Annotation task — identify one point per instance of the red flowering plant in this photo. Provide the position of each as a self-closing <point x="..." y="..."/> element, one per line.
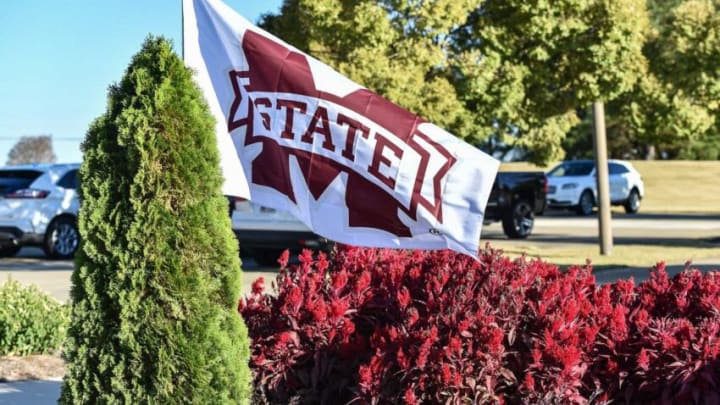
<point x="389" y="326"/>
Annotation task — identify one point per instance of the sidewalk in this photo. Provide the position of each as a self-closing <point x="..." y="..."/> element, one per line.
<point x="30" y="392"/>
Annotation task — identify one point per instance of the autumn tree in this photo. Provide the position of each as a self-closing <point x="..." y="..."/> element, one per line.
<point x="32" y="149"/>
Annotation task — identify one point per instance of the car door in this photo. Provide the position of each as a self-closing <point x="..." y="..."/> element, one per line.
<point x="619" y="182"/>
<point x="69" y="184"/>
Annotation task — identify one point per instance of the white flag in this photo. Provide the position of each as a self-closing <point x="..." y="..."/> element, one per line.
<point x="351" y="165"/>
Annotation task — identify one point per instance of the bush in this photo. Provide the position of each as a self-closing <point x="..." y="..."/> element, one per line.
<point x="157" y="276"/>
<point x="31" y="322"/>
<point x="383" y="326"/>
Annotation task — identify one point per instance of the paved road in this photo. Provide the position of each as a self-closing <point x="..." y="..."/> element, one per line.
<point x="553" y="229"/>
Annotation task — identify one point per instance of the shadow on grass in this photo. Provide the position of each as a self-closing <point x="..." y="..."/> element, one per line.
<point x="553" y="213"/>
<point x="698" y="243"/>
<point x="610" y="273"/>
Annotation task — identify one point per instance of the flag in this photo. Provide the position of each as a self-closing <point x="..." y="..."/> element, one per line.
<point x="351" y="165"/>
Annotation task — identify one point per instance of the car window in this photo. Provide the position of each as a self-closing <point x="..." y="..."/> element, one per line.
<point x="69" y="180"/>
<point x="572" y="169"/>
<point x="12" y="180"/>
<point x="617" y="169"/>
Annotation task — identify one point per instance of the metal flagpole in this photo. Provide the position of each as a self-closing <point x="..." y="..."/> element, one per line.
<point x="182" y="29"/>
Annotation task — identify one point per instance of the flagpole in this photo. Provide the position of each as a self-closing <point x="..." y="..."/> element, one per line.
<point x="182" y="30"/>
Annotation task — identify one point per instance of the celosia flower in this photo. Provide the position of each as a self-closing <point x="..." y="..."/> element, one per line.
<point x="319" y="310"/>
<point x="643" y="359"/>
<point x="362" y="282"/>
<point x="284" y="258"/>
<point x="446" y="373"/>
<point x="529" y="382"/>
<point x="403" y="296"/>
<point x="294" y="298"/>
<point x="258" y="286"/>
<point x="402" y="359"/>
<point x="409" y="397"/>
<point x="338" y="308"/>
<point x="339" y="280"/>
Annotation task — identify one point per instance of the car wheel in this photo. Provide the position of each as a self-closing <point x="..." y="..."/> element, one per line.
<point x="9" y="251"/>
<point x="632" y="205"/>
<point x="586" y="203"/>
<point x="266" y="256"/>
<point x="518" y="222"/>
<point x="61" y="239"/>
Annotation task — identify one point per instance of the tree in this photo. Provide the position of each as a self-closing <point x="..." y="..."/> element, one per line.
<point x="512" y="70"/>
<point x="398" y="49"/>
<point x="32" y="149"/>
<point x="673" y="108"/>
<point x="157" y="278"/>
<point x="525" y="67"/>
<point x="684" y="53"/>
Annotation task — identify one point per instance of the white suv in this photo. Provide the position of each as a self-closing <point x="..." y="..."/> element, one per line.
<point x="38" y="207"/>
<point x="572" y="184"/>
<point x="263" y="233"/>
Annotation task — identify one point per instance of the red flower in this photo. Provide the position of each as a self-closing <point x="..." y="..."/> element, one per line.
<point x="362" y="282"/>
<point x="495" y="341"/>
<point x="454" y="346"/>
<point x="319" y="311"/>
<point x="643" y="359"/>
<point x="529" y="382"/>
<point x="402" y="359"/>
<point x="403" y="296"/>
<point x="258" y="286"/>
<point x="348" y="328"/>
<point x="284" y="258"/>
<point x="338" y="308"/>
<point x="409" y="397"/>
<point x="294" y="298"/>
<point x="413" y="317"/>
<point x="339" y="280"/>
<point x="366" y="376"/>
<point x="284" y="337"/>
<point x="446" y="374"/>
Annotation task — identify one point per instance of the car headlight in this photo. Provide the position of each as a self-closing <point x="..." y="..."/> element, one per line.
<point x="569" y="186"/>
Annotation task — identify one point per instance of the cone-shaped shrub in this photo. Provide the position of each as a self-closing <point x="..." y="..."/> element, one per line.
<point x="157" y="277"/>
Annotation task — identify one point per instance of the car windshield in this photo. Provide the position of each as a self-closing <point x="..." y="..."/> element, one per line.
<point x="12" y="180"/>
<point x="572" y="169"/>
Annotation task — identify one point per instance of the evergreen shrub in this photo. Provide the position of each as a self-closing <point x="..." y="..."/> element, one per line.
<point x="31" y="321"/>
<point x="157" y="276"/>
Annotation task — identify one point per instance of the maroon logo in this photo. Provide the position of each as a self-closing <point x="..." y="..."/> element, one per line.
<point x="276" y="69"/>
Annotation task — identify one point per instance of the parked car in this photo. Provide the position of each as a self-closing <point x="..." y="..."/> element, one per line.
<point x="38" y="207"/>
<point x="515" y="199"/>
<point x="573" y="185"/>
<point x="263" y="233"/>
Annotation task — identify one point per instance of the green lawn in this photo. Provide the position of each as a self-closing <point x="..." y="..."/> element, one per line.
<point x="671" y="187"/>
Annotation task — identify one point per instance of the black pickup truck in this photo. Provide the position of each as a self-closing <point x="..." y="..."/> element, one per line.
<point x="515" y="199"/>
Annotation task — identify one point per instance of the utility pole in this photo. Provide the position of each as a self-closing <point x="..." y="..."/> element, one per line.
<point x="601" y="176"/>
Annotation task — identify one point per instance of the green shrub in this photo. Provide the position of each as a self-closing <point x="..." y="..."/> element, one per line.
<point x="157" y="277"/>
<point x="30" y="320"/>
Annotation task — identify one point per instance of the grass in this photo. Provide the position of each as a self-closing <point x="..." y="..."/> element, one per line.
<point x="671" y="187"/>
<point x="631" y="255"/>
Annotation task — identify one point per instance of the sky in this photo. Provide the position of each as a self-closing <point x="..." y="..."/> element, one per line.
<point x="58" y="57"/>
